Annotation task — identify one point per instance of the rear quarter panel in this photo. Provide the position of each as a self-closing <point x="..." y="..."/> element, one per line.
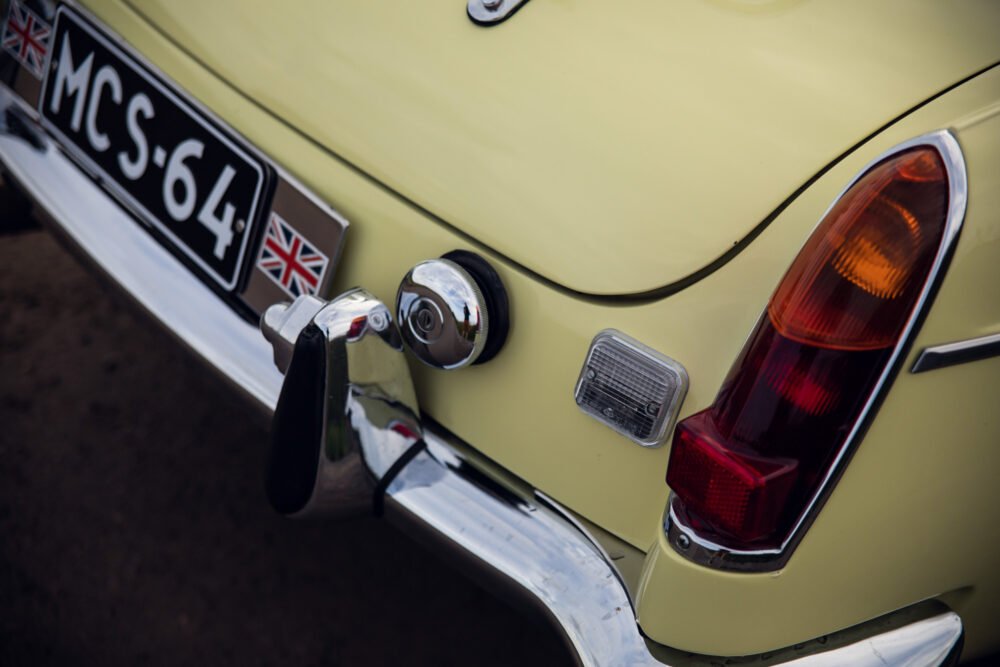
<point x="915" y="513"/>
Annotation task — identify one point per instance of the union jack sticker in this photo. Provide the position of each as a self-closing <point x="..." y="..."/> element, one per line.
<point x="26" y="37"/>
<point x="288" y="259"/>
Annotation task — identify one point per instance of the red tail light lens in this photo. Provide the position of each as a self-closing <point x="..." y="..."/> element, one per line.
<point x="746" y="469"/>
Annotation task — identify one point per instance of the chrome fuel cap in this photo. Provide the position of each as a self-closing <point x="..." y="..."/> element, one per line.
<point x="447" y="311"/>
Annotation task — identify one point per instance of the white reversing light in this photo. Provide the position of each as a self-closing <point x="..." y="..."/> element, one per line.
<point x="633" y="389"/>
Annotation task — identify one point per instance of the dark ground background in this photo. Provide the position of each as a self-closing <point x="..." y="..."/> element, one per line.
<point x="133" y="524"/>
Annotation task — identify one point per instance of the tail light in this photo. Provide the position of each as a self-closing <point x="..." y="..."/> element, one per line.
<point x="745" y="471"/>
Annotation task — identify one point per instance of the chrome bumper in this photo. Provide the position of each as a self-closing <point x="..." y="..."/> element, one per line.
<point x="526" y="543"/>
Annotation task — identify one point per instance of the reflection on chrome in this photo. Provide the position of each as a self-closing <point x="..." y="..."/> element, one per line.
<point x="347" y="410"/>
<point x="442" y="314"/>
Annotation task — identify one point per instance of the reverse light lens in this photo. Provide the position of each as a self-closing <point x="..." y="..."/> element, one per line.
<point x="633" y="389"/>
<point x="744" y="470"/>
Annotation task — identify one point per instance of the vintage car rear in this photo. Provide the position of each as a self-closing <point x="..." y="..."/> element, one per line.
<point x="774" y="223"/>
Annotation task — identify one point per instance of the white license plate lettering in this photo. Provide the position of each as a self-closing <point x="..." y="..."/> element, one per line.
<point x="139" y="107"/>
<point x="185" y="177"/>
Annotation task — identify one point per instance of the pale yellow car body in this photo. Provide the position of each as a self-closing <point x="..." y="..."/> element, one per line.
<point x="579" y="148"/>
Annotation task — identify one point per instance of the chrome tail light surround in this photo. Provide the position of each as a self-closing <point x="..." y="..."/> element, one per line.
<point x="701" y="548"/>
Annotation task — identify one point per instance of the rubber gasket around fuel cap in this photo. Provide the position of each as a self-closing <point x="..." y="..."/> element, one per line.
<point x="495" y="295"/>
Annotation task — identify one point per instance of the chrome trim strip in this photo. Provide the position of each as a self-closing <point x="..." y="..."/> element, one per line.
<point x="491" y="12"/>
<point x="527" y="545"/>
<point x="702" y="549"/>
<point x="961" y="352"/>
<point x="933" y="641"/>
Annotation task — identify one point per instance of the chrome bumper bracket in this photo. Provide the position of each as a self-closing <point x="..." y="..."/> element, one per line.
<point x="347" y="412"/>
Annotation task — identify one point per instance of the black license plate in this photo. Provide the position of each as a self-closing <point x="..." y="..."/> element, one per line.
<point x="176" y="169"/>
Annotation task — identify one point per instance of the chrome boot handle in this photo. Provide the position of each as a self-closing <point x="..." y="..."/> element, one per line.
<point x="347" y="411"/>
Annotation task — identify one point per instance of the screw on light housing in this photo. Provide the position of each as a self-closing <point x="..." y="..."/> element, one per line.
<point x="631" y="388"/>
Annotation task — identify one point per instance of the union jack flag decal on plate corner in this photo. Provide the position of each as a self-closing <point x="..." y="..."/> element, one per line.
<point x="26" y="37"/>
<point x="290" y="260"/>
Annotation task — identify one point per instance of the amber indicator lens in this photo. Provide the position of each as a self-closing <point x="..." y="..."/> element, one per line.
<point x="855" y="282"/>
<point x="744" y="470"/>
